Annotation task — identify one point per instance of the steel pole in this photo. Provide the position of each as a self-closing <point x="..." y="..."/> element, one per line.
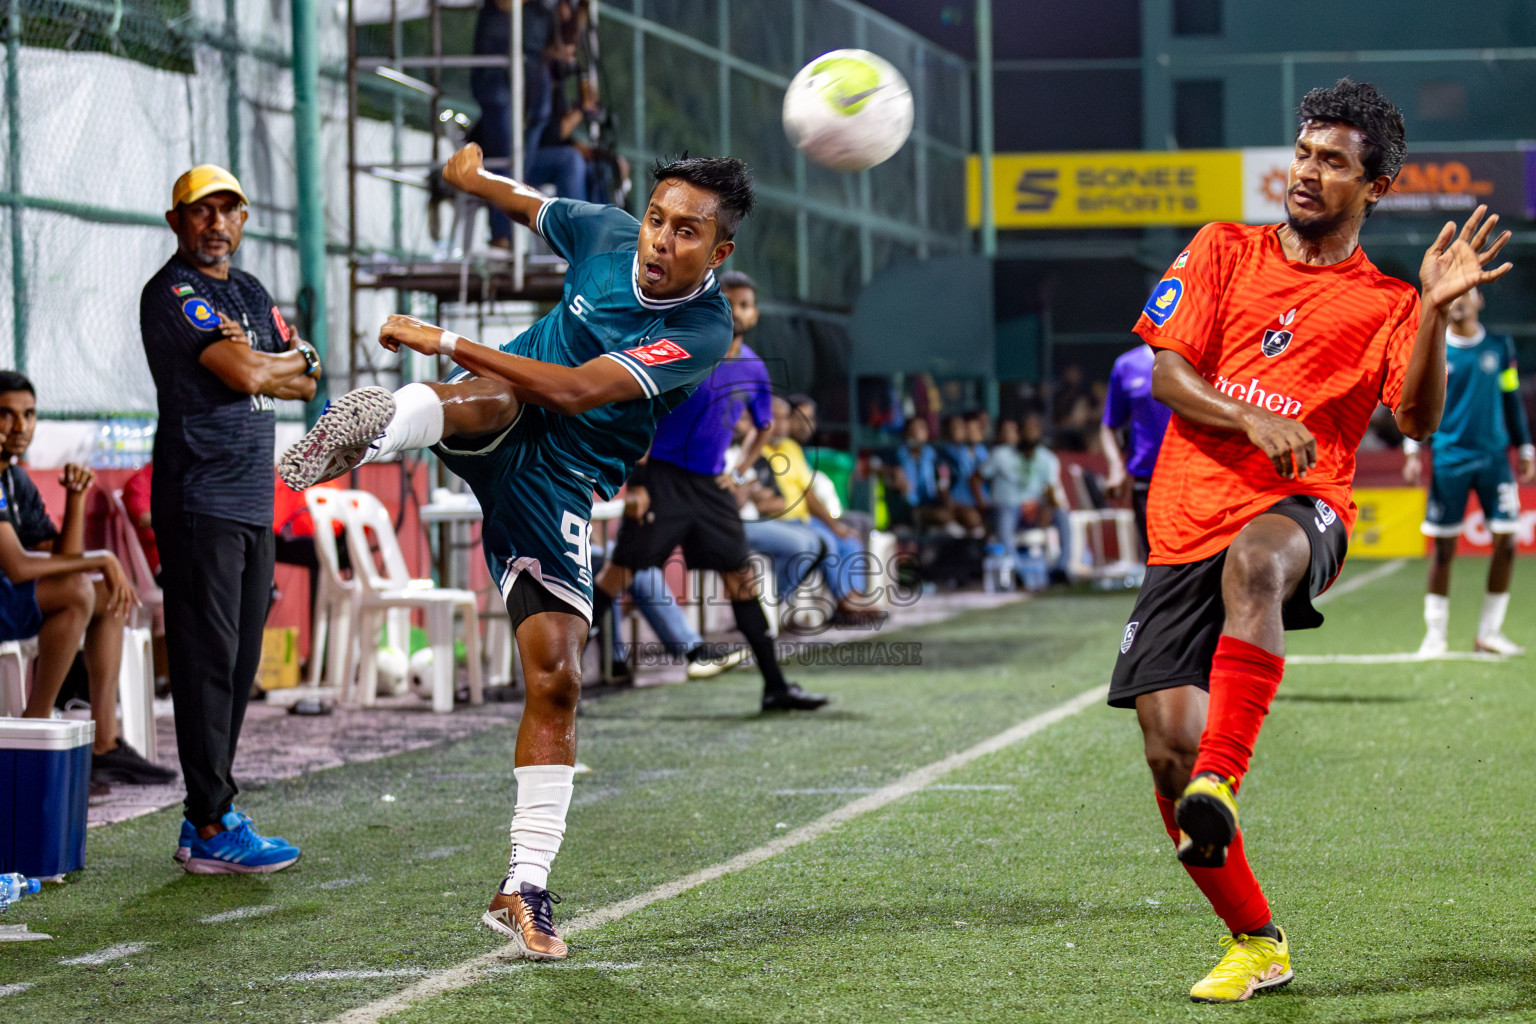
<point x="311" y="183"/>
<point x="984" y="125"/>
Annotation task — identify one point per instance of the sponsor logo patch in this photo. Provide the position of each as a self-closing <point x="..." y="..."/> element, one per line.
<point x="658" y="353"/>
<point x="200" y="313"/>
<point x="1178" y="264"/>
<point x="282" y="325"/>
<point x="1165" y="299"/>
<point x="1275" y="342"/>
<point x="1325" y="517"/>
<point x="1130" y="636"/>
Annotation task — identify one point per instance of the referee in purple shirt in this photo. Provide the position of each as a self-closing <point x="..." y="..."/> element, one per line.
<point x="680" y="497"/>
<point x="1130" y="405"/>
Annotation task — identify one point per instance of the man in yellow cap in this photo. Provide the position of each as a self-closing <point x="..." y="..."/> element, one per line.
<point x="220" y="353"/>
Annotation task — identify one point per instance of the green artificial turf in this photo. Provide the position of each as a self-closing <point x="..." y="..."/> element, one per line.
<point x="1386" y="815"/>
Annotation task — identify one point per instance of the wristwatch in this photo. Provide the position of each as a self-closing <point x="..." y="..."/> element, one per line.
<point x="311" y="358"/>
<point x="739" y="478"/>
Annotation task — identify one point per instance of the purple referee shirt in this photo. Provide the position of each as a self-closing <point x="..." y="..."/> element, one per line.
<point x="695" y="435"/>
<point x="1130" y="401"/>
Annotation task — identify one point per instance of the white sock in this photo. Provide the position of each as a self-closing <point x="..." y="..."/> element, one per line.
<point x="417" y="423"/>
<point x="1437" y="613"/>
<point x="1492" y="622"/>
<point x="538" y="822"/>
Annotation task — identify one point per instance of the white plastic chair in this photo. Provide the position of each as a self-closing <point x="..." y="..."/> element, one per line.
<point x="13" y="679"/>
<point x="333" y="619"/>
<point x="136" y="691"/>
<point x="380" y="592"/>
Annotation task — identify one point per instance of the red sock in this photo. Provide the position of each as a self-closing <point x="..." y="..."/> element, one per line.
<point x="1244" y="679"/>
<point x="1232" y="890"/>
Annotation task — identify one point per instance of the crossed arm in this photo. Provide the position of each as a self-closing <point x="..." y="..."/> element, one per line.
<point x="253" y="372"/>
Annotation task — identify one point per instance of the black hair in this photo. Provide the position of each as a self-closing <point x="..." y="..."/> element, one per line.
<point x="798" y="399"/>
<point x="725" y="176"/>
<point x="736" y="279"/>
<point x="1360" y="106"/>
<point x="10" y="380"/>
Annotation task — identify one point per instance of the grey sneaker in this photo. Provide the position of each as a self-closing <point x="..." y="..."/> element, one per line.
<point x="339" y="440"/>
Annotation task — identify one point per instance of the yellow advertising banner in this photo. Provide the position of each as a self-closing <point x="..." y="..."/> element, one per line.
<point x="1388" y="523"/>
<point x="1110" y="189"/>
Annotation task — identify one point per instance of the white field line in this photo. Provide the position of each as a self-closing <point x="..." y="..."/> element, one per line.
<point x="238" y="914"/>
<point x="102" y="956"/>
<point x="1401" y="658"/>
<point x="398" y="972"/>
<point x="14" y="990"/>
<point x="915" y="781"/>
<point x="1355" y="583"/>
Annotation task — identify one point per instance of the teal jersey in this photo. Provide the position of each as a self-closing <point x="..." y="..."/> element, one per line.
<point x="669" y="346"/>
<point x="1478" y="371"/>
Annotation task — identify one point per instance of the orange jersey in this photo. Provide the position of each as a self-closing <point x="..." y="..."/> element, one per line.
<point x="1321" y="344"/>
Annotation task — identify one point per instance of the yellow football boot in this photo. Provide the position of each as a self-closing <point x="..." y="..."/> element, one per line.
<point x="1251" y="964"/>
<point x="1207" y="817"/>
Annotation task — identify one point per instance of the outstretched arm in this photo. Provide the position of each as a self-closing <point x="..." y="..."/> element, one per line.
<point x="1452" y="266"/>
<point x="568" y="390"/>
<point x="465" y="170"/>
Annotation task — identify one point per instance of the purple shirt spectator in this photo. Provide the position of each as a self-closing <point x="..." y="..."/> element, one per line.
<point x="1130" y="401"/>
<point x="695" y="435"/>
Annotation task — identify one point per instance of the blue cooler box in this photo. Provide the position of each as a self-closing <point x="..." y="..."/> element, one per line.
<point x="45" y="778"/>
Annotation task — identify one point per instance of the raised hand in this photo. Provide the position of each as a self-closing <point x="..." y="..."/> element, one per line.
<point x="414" y="334"/>
<point x="464" y="169"/>
<point x="1456" y="262"/>
<point x="76" y="479"/>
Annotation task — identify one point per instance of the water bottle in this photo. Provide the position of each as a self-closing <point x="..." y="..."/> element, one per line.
<point x="13" y="887"/>
<point x="997" y="569"/>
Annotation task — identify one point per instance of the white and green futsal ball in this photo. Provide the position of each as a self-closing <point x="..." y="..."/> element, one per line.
<point x="848" y="110"/>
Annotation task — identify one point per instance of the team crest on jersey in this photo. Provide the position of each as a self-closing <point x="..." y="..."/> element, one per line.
<point x="200" y="313"/>
<point x="659" y="353"/>
<point x="1275" y="342"/>
<point x="1165" y="299"/>
<point x="1489" y="362"/>
<point x="1130" y="635"/>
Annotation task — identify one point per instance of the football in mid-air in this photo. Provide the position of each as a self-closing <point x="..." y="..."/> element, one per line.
<point x="848" y="110"/>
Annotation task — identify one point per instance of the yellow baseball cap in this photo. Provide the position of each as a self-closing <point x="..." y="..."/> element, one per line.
<point x="204" y="180"/>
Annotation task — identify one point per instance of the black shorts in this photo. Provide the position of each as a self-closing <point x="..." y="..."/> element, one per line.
<point x="1177" y="620"/>
<point x="529" y="597"/>
<point x="687" y="510"/>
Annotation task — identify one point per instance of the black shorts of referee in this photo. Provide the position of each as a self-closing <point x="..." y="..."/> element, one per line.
<point x="687" y="510"/>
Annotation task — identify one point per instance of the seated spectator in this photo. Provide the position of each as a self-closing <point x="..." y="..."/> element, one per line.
<point x="966" y="494"/>
<point x="914" y="479"/>
<point x="1043" y="497"/>
<point x="654" y="600"/>
<point x="49" y="591"/>
<point x="136" y="502"/>
<point x="797" y="503"/>
<point x="1003" y="469"/>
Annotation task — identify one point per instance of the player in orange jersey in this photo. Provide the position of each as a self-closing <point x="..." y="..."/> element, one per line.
<point x="1274" y="346"/>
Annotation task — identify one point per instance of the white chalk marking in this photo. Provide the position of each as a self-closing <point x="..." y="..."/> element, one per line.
<point x="1401" y="658"/>
<point x="568" y="965"/>
<point x="103" y="956"/>
<point x="398" y="972"/>
<point x="238" y="914"/>
<point x="1355" y="583"/>
<point x="342" y="883"/>
<point x="915" y="781"/>
<point x="16" y="989"/>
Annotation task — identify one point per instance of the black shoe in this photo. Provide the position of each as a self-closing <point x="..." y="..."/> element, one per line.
<point x="793" y="699"/>
<point x="124" y="764"/>
<point x="99" y="789"/>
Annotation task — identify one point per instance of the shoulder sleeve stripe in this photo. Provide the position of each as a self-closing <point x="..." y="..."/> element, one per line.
<point x="636" y="371"/>
<point x="538" y="218"/>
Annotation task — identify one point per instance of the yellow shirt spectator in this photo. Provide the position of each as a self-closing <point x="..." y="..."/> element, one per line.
<point x="793" y="474"/>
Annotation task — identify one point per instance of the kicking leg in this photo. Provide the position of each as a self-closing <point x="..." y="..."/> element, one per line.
<point x="1264" y="566"/>
<point x="370" y="423"/>
<point x="550" y="643"/>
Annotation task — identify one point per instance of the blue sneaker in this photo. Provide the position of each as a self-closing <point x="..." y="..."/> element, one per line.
<point x="238" y="850"/>
<point x="189" y="833"/>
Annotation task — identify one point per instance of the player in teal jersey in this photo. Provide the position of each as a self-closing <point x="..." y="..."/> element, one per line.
<point x="1483" y="418"/>
<point x="535" y="427"/>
